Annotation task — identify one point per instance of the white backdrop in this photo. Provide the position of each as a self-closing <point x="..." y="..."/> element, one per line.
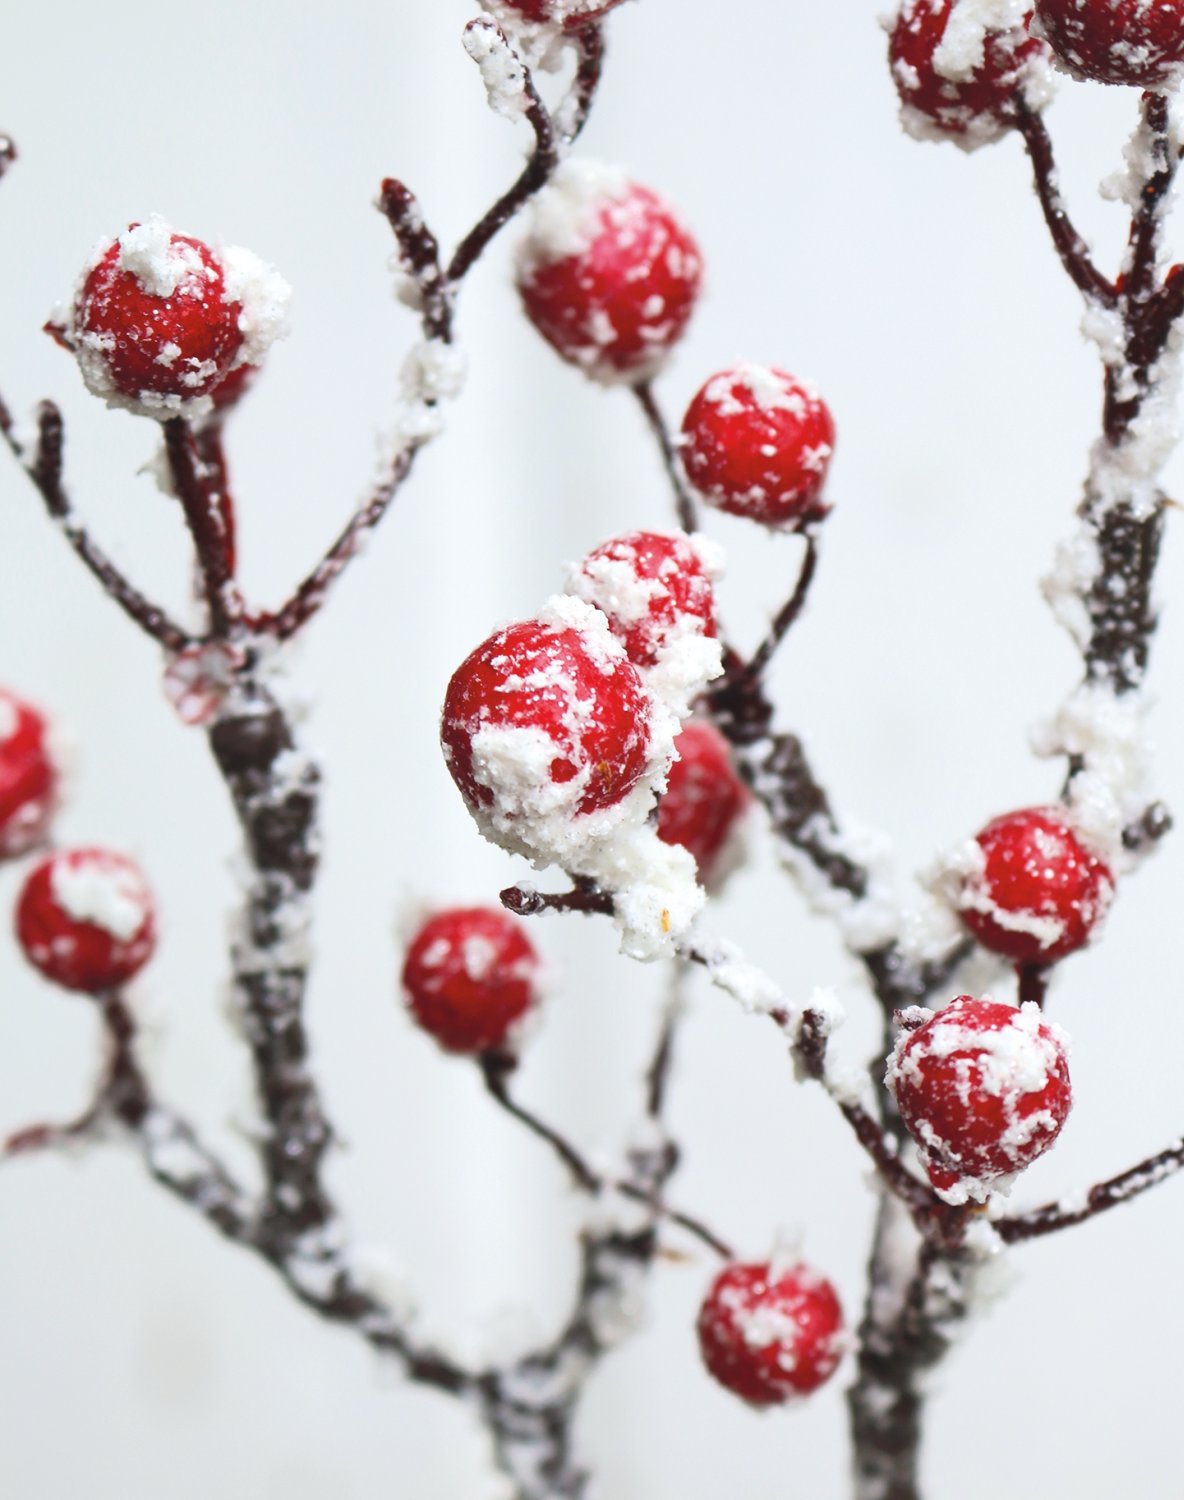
<point x="141" y="1357"/>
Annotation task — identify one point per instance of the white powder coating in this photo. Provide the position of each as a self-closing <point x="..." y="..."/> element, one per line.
<point x="962" y="49"/>
<point x="103" y="890"/>
<point x="160" y="264"/>
<point x="959" y="879"/>
<point x="766" y="388"/>
<point x="566" y="216"/>
<point x="263" y="295"/>
<point x="502" y="71"/>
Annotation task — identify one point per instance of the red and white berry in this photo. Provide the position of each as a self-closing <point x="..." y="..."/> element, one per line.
<point x="28" y="777"/>
<point x="704" y="798"/>
<point x="570" y="14"/>
<point x="86" y="919"/>
<point x="470" y="975"/>
<point x="607" y="274"/>
<point x="757" y="442"/>
<point x="1134" y="42"/>
<point x="771" y="1334"/>
<point x="983" y="1089"/>
<point x="161" y="321"/>
<point x="653" y="587"/>
<point x="960" y="67"/>
<point x="1030" y="889"/>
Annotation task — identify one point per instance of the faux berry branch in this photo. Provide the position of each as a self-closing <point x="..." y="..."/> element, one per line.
<point x="621" y="737"/>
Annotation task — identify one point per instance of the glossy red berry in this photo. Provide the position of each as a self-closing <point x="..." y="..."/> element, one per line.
<point x="959" y="79"/>
<point x="607" y="274"/>
<point x="983" y="1089"/>
<point x="1136" y="42"/>
<point x="85" y="918"/>
<point x="28" y="777"/>
<point x="770" y="1335"/>
<point x="704" y="797"/>
<point x="469" y="975"/>
<point x="757" y="442"/>
<point x="1035" y="893"/>
<point x="545" y="718"/>
<point x="654" y="587"/>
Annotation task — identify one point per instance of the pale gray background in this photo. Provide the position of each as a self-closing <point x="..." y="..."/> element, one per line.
<point x="140" y="1357"/>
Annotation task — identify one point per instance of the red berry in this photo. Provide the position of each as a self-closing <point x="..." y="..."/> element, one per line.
<point x="570" y="14"/>
<point x="545" y="718"/>
<point x="653" y="588"/>
<point x="704" y="797"/>
<point x="983" y="1089"/>
<point x="28" y="777"/>
<point x="958" y="79"/>
<point x="1138" y="42"/>
<point x="470" y="973"/>
<point x="1040" y="892"/>
<point x="153" y="318"/>
<point x="770" y="1335"/>
<point x="228" y="390"/>
<point x="607" y="274"/>
<point x="757" y="443"/>
<point x="85" y="918"/>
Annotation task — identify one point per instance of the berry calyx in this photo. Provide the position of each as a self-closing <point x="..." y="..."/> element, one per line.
<point x="1131" y="42"/>
<point x="1034" y="893"/>
<point x="704" y="797"/>
<point x="547" y="719"/>
<point x="770" y="1334"/>
<point x="469" y="975"/>
<point x="653" y="587"/>
<point x="161" y="322"/>
<point x="959" y="77"/>
<point x="85" y="918"/>
<point x="983" y="1089"/>
<point x="28" y="777"/>
<point x="607" y="274"/>
<point x="757" y="442"/>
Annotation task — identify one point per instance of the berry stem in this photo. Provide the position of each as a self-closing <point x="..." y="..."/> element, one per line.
<point x="207" y="514"/>
<point x="1051" y="1217"/>
<point x="496" y="1071"/>
<point x="789" y="611"/>
<point x="684" y="504"/>
<point x="588" y="41"/>
<point x="1032" y="980"/>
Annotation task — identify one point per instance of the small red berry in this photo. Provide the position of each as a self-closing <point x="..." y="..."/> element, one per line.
<point x="757" y="443"/>
<point x="570" y="14"/>
<point x="653" y="587"/>
<point x="1039" y="893"/>
<point x="85" y="918"/>
<point x="959" y="79"/>
<point x="161" y="321"/>
<point x="607" y="274"/>
<point x="704" y="797"/>
<point x="983" y="1089"/>
<point x="469" y="975"/>
<point x="770" y="1335"/>
<point x="546" y="718"/>
<point x="1136" y="42"/>
<point x="28" y="777"/>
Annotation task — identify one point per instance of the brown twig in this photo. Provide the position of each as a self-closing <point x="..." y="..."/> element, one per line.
<point x="789" y="611"/>
<point x="198" y="488"/>
<point x="1051" y="1217"/>
<point x="683" y="502"/>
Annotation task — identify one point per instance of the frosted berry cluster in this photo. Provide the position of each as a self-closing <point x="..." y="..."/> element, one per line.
<point x="1135" y="42"/>
<point x="28" y="777"/>
<point x="470" y="976"/>
<point x="959" y="67"/>
<point x="560" y="743"/>
<point x="1029" y="889"/>
<point x="606" y="273"/>
<point x="86" y="919"/>
<point x="769" y="1333"/>
<point x="757" y="442"/>
<point x="165" y="325"/>
<point x="983" y="1089"/>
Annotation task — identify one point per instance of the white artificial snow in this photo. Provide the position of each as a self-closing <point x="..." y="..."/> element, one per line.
<point x="566" y="216"/>
<point x="103" y="892"/>
<point x="962" y="49"/>
<point x="147" y="252"/>
<point x="263" y="295"/>
<point x="502" y="71"/>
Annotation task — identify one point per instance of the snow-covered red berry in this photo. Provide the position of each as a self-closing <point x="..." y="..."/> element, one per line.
<point x="757" y="442"/>
<point x="161" y="321"/>
<point x="470" y="974"/>
<point x="607" y="274"/>
<point x="1031" y="890"/>
<point x="85" y="918"/>
<point x="545" y="719"/>
<point x="770" y="1334"/>
<point x="28" y="777"/>
<point x="704" y="796"/>
<point x="1136" y="42"/>
<point x="982" y="1088"/>
<point x="960" y="68"/>
<point x="653" y="587"/>
<point x="570" y="14"/>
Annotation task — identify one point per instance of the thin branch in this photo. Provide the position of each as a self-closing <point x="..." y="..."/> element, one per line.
<point x="584" y="896"/>
<point x="789" y="611"/>
<point x="589" y="43"/>
<point x="496" y="1070"/>
<point x="683" y="501"/>
<point x="1051" y="1217"/>
<point x="1143" y="249"/>
<point x="197" y="489"/>
<point x="1032" y="981"/>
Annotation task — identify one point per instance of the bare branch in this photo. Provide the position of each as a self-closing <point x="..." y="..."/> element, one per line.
<point x="1051" y="1217"/>
<point x="684" y="504"/>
